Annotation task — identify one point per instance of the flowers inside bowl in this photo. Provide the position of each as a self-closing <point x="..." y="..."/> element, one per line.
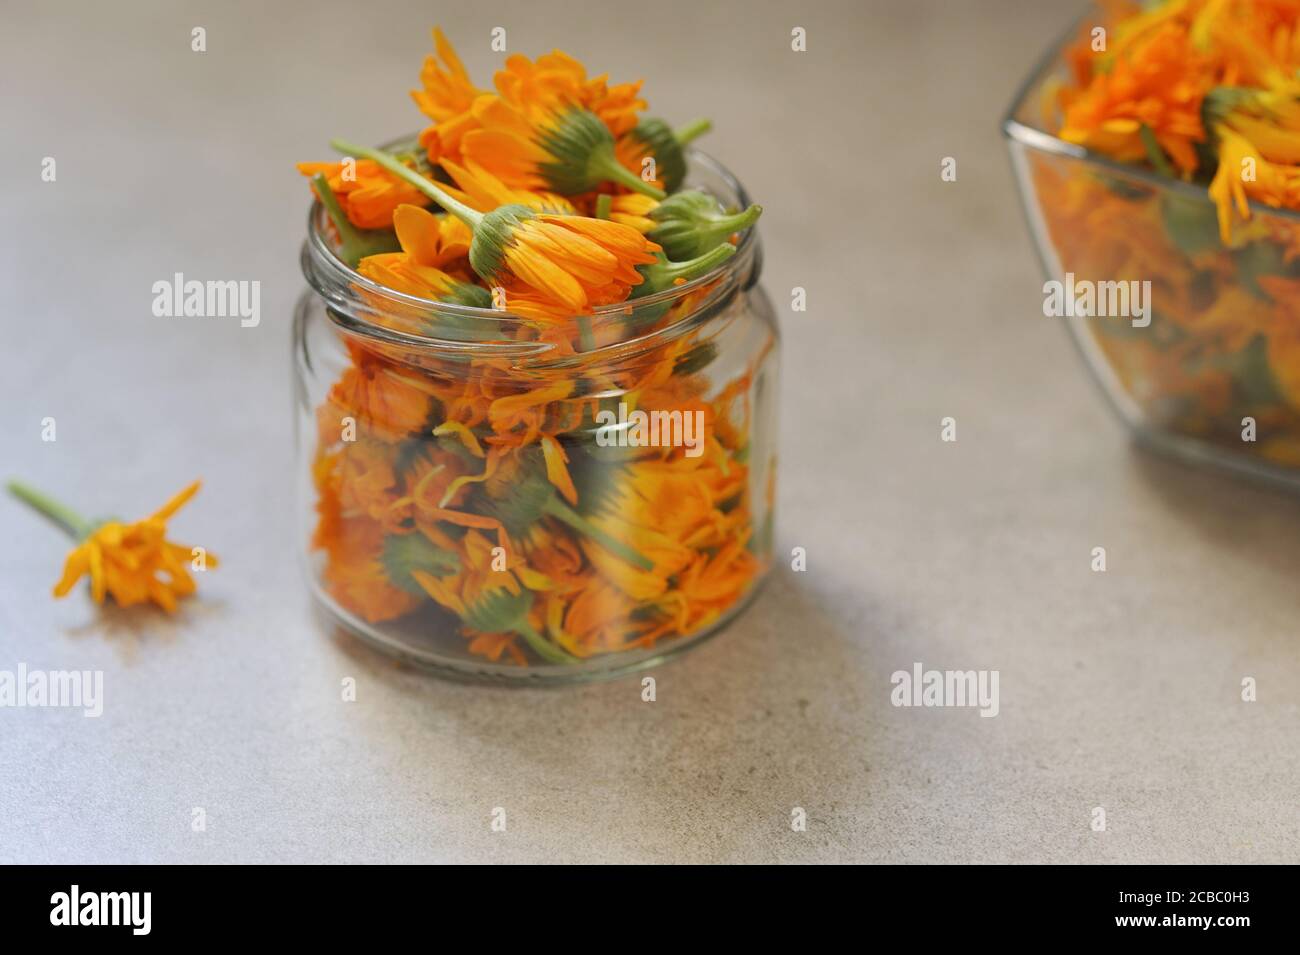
<point x="1157" y="150"/>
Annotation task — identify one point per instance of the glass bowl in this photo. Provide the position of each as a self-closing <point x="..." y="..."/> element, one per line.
<point x="1205" y="360"/>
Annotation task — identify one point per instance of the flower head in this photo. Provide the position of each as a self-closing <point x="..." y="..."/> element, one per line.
<point x="446" y="96"/>
<point x="133" y="563"/>
<point x="1157" y="84"/>
<point x="481" y="190"/>
<point x="575" y="261"/>
<point x="430" y="245"/>
<point x="557" y="79"/>
<point x="1275" y="184"/>
<point x="653" y="138"/>
<point x="367" y="193"/>
<point x="446" y="89"/>
<point x="567" y="149"/>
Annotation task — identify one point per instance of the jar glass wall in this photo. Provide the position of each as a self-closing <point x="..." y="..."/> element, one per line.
<point x="491" y="498"/>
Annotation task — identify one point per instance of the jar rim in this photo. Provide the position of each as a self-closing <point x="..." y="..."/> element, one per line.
<point x="344" y="288"/>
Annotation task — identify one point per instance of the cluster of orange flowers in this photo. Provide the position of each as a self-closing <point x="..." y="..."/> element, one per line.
<point x="1195" y="87"/>
<point x="474" y="486"/>
<point x="1206" y="91"/>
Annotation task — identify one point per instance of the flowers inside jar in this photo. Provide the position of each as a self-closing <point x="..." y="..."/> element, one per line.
<point x="550" y="430"/>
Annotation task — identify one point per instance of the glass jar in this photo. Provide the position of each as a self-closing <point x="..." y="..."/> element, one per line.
<point x="1212" y="371"/>
<point x="489" y="499"/>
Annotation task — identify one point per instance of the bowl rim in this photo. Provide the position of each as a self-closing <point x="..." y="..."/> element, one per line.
<point x="1035" y="138"/>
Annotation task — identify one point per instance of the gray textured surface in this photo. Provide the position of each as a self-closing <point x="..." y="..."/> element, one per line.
<point x="1118" y="690"/>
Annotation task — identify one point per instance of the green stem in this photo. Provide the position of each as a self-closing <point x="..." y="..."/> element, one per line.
<point x="76" y="526"/>
<point x="545" y="649"/>
<point x="604" y="204"/>
<point x="663" y="274"/>
<point x="610" y="168"/>
<point x="692" y="131"/>
<point x="471" y="217"/>
<point x="561" y="511"/>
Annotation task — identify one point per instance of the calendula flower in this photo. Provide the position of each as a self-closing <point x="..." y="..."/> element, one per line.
<point x="356" y="576"/>
<point x="1274" y="184"/>
<point x="654" y="139"/>
<point x="367" y="192"/>
<point x="489" y="599"/>
<point x="389" y="401"/>
<point x="516" y="134"/>
<point x="446" y="97"/>
<point x="132" y="563"/>
<point x="1156" y="86"/>
<point x="574" y="261"/>
<point x="446" y="89"/>
<point x="481" y="190"/>
<point x="354" y="244"/>
<point x="557" y="79"/>
<point x="630" y="208"/>
<point x="567" y="149"/>
<point x="1268" y="119"/>
<point x="428" y="244"/>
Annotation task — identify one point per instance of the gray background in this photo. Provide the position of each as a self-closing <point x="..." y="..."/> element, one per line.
<point x="1118" y="690"/>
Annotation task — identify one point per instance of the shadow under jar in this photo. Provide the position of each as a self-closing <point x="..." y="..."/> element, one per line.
<point x="492" y="499"/>
<point x="1215" y="375"/>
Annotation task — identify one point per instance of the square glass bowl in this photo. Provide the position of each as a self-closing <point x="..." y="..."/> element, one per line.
<point x="1214" y="376"/>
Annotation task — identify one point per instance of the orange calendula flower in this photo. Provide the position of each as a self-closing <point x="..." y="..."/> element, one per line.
<point x="634" y="210"/>
<point x="566" y="148"/>
<point x="481" y="190"/>
<point x="446" y="96"/>
<point x="429" y="244"/>
<point x="557" y="79"/>
<point x="446" y="89"/>
<point x="574" y="261"/>
<point x="133" y="563"/>
<point x="367" y="193"/>
<point x="388" y="401"/>
<point x="1271" y="183"/>
<point x="1156" y="85"/>
<point x="356" y="577"/>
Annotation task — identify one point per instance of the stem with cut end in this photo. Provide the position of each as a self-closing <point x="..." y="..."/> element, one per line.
<point x="692" y="131"/>
<point x="738" y="222"/>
